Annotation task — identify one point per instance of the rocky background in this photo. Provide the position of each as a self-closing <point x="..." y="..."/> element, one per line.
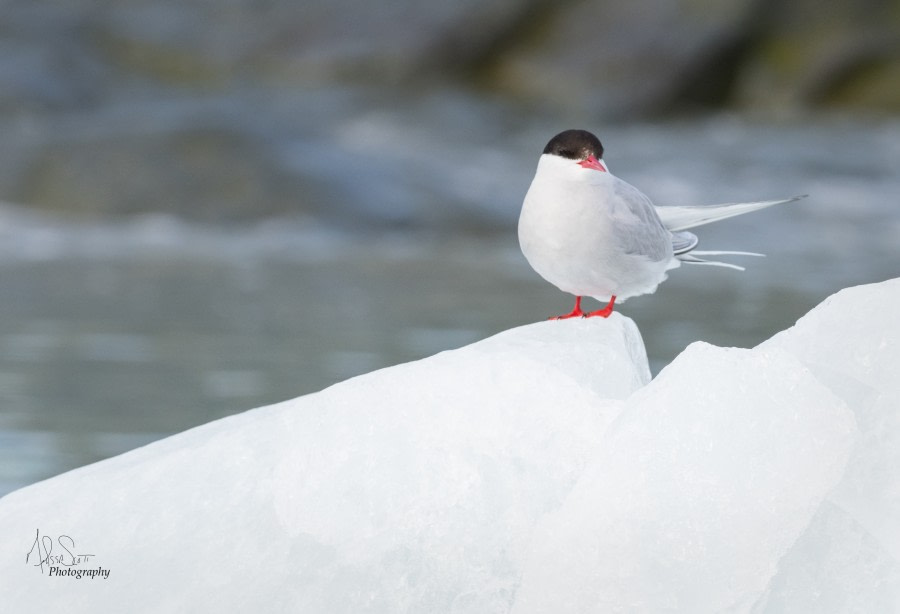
<point x="232" y="109"/>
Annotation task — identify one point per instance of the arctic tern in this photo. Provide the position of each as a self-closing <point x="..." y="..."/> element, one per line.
<point x="591" y="234"/>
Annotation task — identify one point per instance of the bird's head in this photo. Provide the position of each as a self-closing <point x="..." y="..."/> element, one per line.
<point x="580" y="147"/>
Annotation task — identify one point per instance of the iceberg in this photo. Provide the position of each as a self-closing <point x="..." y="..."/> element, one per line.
<point x="539" y="470"/>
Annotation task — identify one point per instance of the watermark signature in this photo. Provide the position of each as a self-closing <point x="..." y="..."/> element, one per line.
<point x="58" y="558"/>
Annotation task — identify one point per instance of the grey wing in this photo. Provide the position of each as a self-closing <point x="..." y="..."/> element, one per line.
<point x="640" y="231"/>
<point x="680" y="218"/>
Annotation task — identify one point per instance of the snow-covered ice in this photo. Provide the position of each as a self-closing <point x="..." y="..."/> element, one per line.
<point x="539" y="470"/>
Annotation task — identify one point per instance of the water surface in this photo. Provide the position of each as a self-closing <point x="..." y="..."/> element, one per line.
<point x="117" y="333"/>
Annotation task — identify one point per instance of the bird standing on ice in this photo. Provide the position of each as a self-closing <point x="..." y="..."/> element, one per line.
<point x="589" y="233"/>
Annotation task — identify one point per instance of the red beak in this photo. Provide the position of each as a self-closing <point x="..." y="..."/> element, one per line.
<point x="592" y="163"/>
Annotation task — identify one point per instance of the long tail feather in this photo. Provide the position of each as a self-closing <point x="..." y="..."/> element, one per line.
<point x="722" y="253"/>
<point x="688" y="259"/>
<point x="691" y="258"/>
<point x="681" y="218"/>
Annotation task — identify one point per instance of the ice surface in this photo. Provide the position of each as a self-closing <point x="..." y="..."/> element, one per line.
<point x="536" y="471"/>
<point x="414" y="488"/>
<point x="852" y="344"/>
<point x="705" y="480"/>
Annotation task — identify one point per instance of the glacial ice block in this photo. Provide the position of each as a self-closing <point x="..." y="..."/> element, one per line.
<point x="413" y="488"/>
<point x="536" y="471"/>
<point x="850" y="561"/>
<point x="703" y="482"/>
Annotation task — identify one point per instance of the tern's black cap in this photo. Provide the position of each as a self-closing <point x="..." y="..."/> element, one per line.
<point x="575" y="145"/>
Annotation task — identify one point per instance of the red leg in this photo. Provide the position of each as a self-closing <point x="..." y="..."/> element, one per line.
<point x="576" y="312"/>
<point x="603" y="313"/>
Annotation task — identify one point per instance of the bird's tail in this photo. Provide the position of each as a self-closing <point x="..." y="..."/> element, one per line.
<point x="692" y="258"/>
<point x="684" y="244"/>
<point x="681" y="218"/>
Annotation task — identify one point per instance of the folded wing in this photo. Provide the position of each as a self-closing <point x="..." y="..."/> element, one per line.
<point x="682" y="218"/>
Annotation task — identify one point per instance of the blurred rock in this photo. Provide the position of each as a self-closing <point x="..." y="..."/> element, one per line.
<point x="232" y="160"/>
<point x="637" y="57"/>
<point x="212" y="43"/>
<point x="201" y="173"/>
<point x="45" y="64"/>
<point x="654" y="57"/>
<point x="642" y="56"/>
<point x="840" y="54"/>
<point x="91" y="63"/>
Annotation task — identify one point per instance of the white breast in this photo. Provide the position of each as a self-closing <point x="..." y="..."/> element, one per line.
<point x="591" y="234"/>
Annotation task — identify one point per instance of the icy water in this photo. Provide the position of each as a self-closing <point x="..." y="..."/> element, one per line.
<point x="114" y="335"/>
